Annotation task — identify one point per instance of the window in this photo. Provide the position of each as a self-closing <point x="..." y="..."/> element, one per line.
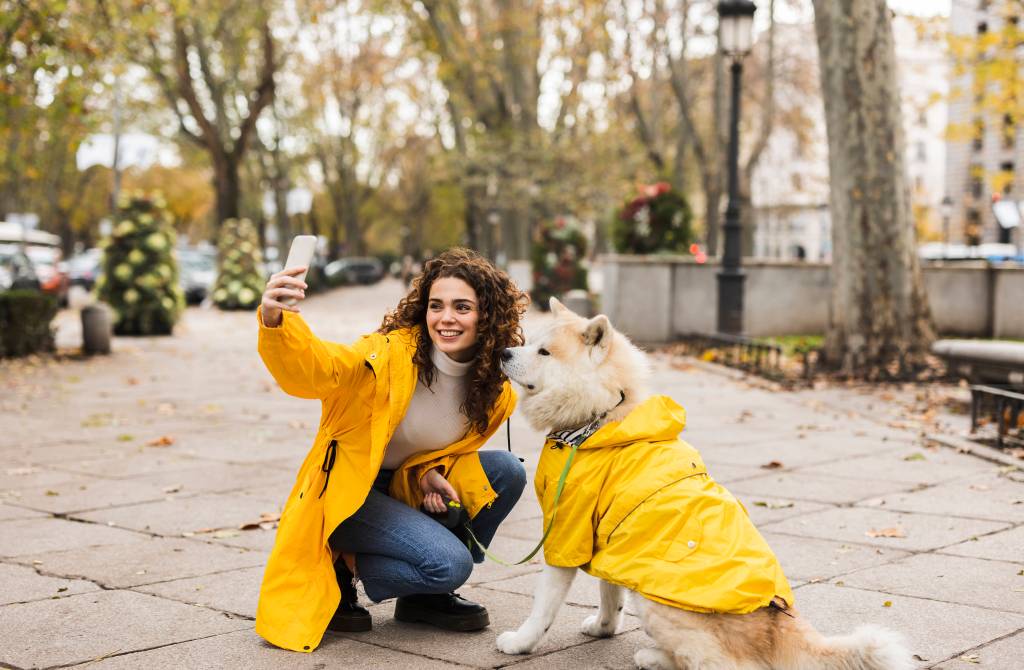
<point x="982" y="28"/>
<point x="1009" y="131"/>
<point x="972" y="232"/>
<point x="978" y="136"/>
<point x="1007" y="169"/>
<point x="977" y="185"/>
<point x="921" y="151"/>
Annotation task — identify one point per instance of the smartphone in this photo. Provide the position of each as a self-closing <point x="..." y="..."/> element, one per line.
<point x="301" y="253"/>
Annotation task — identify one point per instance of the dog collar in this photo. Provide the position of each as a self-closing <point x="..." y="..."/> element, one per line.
<point x="574" y="437"/>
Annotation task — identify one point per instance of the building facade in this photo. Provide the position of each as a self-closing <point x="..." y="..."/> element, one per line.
<point x="790" y="186"/>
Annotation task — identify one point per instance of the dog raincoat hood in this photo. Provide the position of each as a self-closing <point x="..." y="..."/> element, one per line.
<point x="640" y="510"/>
<point x="365" y="389"/>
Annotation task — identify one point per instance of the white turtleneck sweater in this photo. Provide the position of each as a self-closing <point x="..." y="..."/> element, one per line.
<point x="433" y="420"/>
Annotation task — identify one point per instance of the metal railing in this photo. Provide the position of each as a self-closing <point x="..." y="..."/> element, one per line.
<point x="1007" y="406"/>
<point x="737" y="351"/>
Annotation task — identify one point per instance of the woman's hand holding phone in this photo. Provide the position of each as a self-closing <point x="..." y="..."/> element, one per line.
<point x="283" y="286"/>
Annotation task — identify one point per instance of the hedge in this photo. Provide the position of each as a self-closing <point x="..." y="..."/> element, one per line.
<point x="25" y="318"/>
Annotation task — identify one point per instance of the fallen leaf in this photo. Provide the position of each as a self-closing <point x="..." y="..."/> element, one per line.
<point x="62" y="589"/>
<point x="972" y="658"/>
<point x="131" y="381"/>
<point x="297" y="425"/>
<point x="225" y="533"/>
<point x="125" y="437"/>
<point x="52" y="493"/>
<point x="894" y="531"/>
<point x="270" y="516"/>
<point x="887" y="603"/>
<point x="162" y="441"/>
<point x="914" y="457"/>
<point x="251" y="525"/>
<point x="165" y="409"/>
<point x="173" y="489"/>
<point x="771" y="505"/>
<point x="773" y="465"/>
<point x="212" y="408"/>
<point x="918" y="657"/>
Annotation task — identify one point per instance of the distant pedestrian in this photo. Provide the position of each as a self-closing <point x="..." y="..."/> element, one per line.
<point x="405" y="411"/>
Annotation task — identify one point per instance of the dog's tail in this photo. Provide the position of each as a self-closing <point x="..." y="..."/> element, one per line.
<point x="869" y="647"/>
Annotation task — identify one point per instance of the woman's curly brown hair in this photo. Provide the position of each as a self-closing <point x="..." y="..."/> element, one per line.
<point x="500" y="306"/>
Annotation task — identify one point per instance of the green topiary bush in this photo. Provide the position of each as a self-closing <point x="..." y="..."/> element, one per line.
<point x="25" y="318"/>
<point x="240" y="280"/>
<point x="556" y="257"/>
<point x="658" y="220"/>
<point x="140" y="274"/>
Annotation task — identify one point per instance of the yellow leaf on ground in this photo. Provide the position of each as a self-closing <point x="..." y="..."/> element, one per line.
<point x="162" y="441"/>
<point x="894" y="531"/>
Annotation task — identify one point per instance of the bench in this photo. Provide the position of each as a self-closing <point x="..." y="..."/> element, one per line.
<point x="996" y="373"/>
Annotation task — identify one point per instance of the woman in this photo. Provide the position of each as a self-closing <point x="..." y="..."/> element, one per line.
<point x="405" y="411"/>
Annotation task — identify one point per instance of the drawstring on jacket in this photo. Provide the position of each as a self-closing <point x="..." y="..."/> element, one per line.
<point x="328" y="464"/>
<point x="508" y="436"/>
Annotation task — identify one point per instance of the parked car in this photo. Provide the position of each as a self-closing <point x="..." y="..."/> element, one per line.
<point x="16" y="271"/>
<point x="51" y="270"/>
<point x="356" y="270"/>
<point x="197" y="273"/>
<point x="84" y="268"/>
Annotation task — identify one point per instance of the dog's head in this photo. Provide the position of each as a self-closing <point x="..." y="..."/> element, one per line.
<point x="576" y="369"/>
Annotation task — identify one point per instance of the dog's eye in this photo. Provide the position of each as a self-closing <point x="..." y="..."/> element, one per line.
<point x="543" y="352"/>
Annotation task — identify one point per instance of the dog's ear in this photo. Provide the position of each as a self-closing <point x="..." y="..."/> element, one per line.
<point x="557" y="308"/>
<point x="598" y="334"/>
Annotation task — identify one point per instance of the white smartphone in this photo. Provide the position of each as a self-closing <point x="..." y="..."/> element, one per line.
<point x="301" y="253"/>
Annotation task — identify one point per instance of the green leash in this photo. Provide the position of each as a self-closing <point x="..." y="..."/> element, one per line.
<point x="547" y="531"/>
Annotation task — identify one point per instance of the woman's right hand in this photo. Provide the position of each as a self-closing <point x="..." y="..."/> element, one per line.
<point x="282" y="285"/>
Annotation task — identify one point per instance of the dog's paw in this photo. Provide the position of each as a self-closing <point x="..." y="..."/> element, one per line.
<point x="512" y="642"/>
<point x="593" y="627"/>
<point x="652" y="658"/>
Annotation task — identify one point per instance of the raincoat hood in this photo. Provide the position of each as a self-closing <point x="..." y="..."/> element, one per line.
<point x="657" y="419"/>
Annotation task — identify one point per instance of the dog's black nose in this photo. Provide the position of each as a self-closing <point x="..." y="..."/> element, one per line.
<point x="506" y="354"/>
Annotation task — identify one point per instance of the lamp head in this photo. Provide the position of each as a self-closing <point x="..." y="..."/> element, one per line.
<point x="736" y="26"/>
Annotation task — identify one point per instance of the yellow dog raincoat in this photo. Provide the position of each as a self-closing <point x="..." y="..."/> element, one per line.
<point x="640" y="510"/>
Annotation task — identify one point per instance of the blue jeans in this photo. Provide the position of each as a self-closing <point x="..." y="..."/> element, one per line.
<point x="401" y="551"/>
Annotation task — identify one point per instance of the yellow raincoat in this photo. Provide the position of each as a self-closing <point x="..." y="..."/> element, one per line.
<point x="365" y="389"/>
<point x="640" y="510"/>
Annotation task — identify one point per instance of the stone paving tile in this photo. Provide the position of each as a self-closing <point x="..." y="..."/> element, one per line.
<point x="258" y="540"/>
<point x="852" y="524"/>
<point x="12" y="512"/>
<point x="83" y="493"/>
<point x="910" y="464"/>
<point x="87" y="626"/>
<point x="725" y="473"/>
<point x="183" y="515"/>
<point x="507" y="612"/>
<point x="22" y="477"/>
<point x="992" y="584"/>
<point x="934" y="630"/>
<point x="35" y="536"/>
<point x="818" y="488"/>
<point x="245" y="649"/>
<point x="248" y="444"/>
<point x="585" y="590"/>
<point x="791" y="453"/>
<point x="1005" y="654"/>
<point x="986" y="496"/>
<point x="153" y="559"/>
<point x="235" y="591"/>
<point x="615" y="653"/>
<point x="807" y="559"/>
<point x="23" y="584"/>
<point x="130" y="464"/>
<point x="1007" y="545"/>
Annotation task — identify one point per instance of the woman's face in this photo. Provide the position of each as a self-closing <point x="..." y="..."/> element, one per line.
<point x="452" y="315"/>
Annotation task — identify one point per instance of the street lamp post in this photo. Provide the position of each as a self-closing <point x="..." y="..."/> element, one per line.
<point x="736" y="29"/>
<point x="946" y="207"/>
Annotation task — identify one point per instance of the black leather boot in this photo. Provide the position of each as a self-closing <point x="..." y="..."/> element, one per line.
<point x="349" y="617"/>
<point x="447" y="610"/>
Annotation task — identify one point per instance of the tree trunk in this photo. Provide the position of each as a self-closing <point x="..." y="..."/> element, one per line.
<point x="879" y="320"/>
<point x="226" y="184"/>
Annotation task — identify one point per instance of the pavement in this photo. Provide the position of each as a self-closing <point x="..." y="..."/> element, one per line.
<point x="138" y="494"/>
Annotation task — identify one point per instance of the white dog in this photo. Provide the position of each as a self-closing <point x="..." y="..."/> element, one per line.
<point x="640" y="512"/>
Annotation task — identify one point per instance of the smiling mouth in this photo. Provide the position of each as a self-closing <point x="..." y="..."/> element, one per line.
<point x="449" y="333"/>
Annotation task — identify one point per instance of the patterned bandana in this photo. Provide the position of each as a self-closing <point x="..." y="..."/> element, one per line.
<point x="574" y="437"/>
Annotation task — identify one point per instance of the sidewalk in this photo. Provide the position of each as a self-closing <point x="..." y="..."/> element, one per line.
<point x="125" y="481"/>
